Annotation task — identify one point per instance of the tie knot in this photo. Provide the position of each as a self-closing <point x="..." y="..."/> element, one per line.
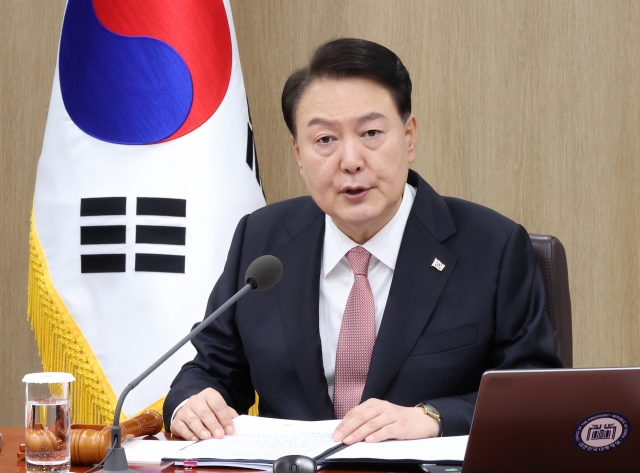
<point x="359" y="260"/>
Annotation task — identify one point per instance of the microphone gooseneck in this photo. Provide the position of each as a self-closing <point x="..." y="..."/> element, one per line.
<point x="262" y="274"/>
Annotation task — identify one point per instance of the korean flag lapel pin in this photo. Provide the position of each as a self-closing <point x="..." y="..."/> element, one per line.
<point x="437" y="264"/>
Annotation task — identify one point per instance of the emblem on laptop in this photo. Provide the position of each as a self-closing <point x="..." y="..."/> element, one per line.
<point x="437" y="264"/>
<point x="601" y="432"/>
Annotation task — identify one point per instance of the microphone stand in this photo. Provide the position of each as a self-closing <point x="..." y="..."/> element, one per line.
<point x="116" y="460"/>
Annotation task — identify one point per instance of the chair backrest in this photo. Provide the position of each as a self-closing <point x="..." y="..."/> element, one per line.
<point x="553" y="263"/>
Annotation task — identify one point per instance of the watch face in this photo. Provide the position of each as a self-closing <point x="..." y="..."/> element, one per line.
<point x="431" y="409"/>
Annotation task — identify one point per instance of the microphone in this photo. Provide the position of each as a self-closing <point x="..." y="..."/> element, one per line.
<point x="262" y="274"/>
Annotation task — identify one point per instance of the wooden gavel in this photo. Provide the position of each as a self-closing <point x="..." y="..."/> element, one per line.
<point x="89" y="445"/>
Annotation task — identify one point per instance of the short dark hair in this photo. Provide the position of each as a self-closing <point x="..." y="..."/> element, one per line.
<point x="344" y="58"/>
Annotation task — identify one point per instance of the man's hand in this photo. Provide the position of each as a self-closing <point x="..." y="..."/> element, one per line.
<point x="204" y="415"/>
<point x="375" y="420"/>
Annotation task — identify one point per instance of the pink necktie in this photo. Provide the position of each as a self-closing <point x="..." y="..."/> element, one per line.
<point x="357" y="337"/>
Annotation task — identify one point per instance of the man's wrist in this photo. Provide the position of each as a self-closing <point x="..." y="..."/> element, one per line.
<point x="177" y="408"/>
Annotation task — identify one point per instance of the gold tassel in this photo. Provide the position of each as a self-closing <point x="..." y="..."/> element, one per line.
<point x="253" y="410"/>
<point x="58" y="349"/>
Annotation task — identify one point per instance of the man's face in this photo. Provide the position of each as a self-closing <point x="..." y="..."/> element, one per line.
<point x="354" y="152"/>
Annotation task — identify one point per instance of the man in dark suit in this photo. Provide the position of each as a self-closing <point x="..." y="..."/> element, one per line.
<point x="394" y="300"/>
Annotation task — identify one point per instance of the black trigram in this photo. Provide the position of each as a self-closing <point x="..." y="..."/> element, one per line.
<point x="145" y="234"/>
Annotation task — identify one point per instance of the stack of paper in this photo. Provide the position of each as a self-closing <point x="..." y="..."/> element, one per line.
<point x="258" y="442"/>
<point x="141" y="451"/>
<point x="434" y="450"/>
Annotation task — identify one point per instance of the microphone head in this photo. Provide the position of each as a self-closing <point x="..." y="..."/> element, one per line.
<point x="263" y="273"/>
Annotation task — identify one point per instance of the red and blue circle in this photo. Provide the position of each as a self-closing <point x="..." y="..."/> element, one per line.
<point x="143" y="71"/>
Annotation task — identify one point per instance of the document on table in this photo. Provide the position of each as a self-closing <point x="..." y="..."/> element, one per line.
<point x="436" y="450"/>
<point x="258" y="442"/>
<point x="140" y="451"/>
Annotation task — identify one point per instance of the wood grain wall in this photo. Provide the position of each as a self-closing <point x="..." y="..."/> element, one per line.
<point x="29" y="33"/>
<point x="529" y="107"/>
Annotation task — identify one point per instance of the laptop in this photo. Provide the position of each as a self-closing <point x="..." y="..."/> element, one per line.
<point x="552" y="421"/>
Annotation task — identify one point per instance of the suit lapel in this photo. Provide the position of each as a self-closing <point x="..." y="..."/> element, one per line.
<point x="298" y="295"/>
<point x="416" y="286"/>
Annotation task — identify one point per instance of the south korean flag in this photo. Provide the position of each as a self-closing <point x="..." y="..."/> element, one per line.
<point x="148" y="163"/>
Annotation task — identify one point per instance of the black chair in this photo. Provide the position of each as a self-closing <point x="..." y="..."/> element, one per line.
<point x="553" y="263"/>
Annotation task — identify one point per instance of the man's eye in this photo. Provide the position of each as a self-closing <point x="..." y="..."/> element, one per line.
<point x="372" y="133"/>
<point x="324" y="140"/>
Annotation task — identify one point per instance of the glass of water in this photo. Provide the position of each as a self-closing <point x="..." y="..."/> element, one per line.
<point x="47" y="422"/>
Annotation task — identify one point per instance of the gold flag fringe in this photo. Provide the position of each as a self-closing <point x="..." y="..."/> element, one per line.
<point x="59" y="350"/>
<point x="253" y="410"/>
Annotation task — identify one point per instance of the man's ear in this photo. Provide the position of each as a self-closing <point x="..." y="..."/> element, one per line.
<point x="296" y="150"/>
<point x="411" y="136"/>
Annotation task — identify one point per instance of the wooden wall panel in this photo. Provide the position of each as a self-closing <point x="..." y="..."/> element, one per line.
<point x="29" y="32"/>
<point x="530" y="107"/>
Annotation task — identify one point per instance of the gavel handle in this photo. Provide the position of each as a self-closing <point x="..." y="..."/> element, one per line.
<point x="147" y="423"/>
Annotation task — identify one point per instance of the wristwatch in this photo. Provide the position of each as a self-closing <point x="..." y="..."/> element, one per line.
<point x="432" y="412"/>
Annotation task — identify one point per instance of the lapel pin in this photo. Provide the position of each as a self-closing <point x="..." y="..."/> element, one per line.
<point x="437" y="264"/>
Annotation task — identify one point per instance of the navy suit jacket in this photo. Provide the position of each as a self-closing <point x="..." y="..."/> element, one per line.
<point x="440" y="330"/>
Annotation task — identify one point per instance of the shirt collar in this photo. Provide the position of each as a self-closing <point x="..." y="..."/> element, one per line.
<point x="384" y="245"/>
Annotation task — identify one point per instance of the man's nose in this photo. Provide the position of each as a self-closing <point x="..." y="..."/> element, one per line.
<point x="352" y="157"/>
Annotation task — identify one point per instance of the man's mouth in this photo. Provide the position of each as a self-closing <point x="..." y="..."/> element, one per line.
<point x="355" y="190"/>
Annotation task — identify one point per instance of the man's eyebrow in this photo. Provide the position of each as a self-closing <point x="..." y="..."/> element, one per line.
<point x="321" y="121"/>
<point x="370" y="117"/>
<point x="361" y="119"/>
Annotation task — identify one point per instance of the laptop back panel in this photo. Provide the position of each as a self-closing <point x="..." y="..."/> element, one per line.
<point x="585" y="420"/>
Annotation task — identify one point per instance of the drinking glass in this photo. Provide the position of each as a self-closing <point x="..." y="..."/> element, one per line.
<point x="47" y="422"/>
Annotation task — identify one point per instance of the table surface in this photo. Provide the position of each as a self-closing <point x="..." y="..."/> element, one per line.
<point x="12" y="438"/>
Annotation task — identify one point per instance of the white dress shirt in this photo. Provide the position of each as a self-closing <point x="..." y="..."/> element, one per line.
<point x="336" y="276"/>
